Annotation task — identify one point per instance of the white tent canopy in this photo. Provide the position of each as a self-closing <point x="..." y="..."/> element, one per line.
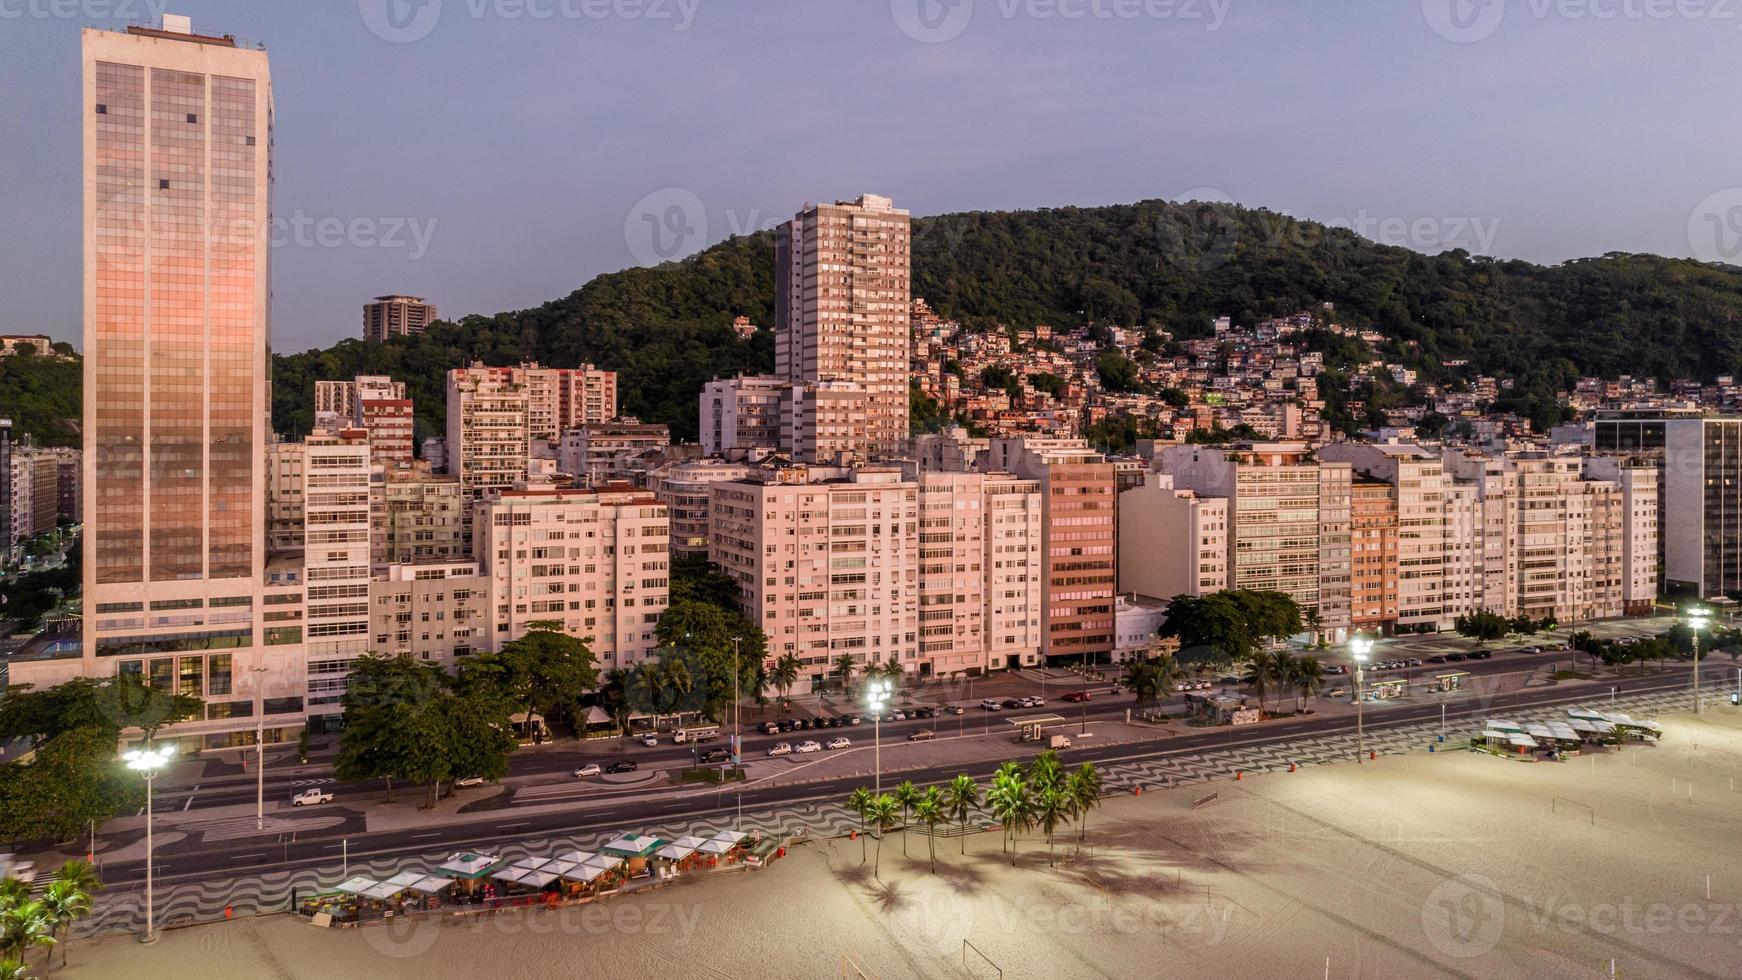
<point x="681" y="848"/>
<point x="357" y="885"/>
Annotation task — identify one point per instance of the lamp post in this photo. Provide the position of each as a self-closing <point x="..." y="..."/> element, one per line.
<point x="147" y="762"/>
<point x="1698" y="620"/>
<point x="1360" y="646"/>
<point x="737" y="706"/>
<point x="876" y="699"/>
<point x="259" y="751"/>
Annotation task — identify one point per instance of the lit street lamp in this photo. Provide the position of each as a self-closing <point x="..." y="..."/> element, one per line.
<point x="876" y="699"/>
<point x="148" y="761"/>
<point x="1697" y="620"/>
<point x="1360" y="646"/>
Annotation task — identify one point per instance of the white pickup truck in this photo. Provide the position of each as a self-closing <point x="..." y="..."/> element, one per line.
<point x="310" y="797"/>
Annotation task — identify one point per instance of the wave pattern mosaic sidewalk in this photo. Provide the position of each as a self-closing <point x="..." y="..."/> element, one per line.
<point x="189" y="903"/>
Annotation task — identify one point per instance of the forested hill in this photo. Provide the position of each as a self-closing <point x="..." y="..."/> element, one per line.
<point x="666" y="330"/>
<point x="41" y="394"/>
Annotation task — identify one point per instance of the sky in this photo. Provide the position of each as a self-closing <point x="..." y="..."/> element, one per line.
<point x="492" y="155"/>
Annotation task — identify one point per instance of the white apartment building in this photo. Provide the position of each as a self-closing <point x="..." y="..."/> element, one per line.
<point x="826" y="569"/>
<point x="686" y="489"/>
<point x="1640" y="500"/>
<point x="742" y="413"/>
<point x="434" y="611"/>
<point x="336" y="561"/>
<point x="488" y="429"/>
<point x="952" y="578"/>
<point x="1172" y="542"/>
<point x="1423" y="546"/>
<point x="595" y="561"/>
<point x="1015" y="570"/>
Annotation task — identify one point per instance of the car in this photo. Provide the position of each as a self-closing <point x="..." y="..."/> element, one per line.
<point x="898" y="715"/>
<point x="1454" y="658"/>
<point x="22" y="871"/>
<point x="469" y="781"/>
<point x="1034" y="700"/>
<point x="622" y="765"/>
<point x="1528" y="650"/>
<point x="956" y="709"/>
<point x="590" y="769"/>
<point x="1337" y="692"/>
<point x="1481" y="655"/>
<point x="1077" y="697"/>
<point x="311" y="797"/>
<point x="782" y="726"/>
<point x="715" y="755"/>
<point x="649" y="740"/>
<point x="1414" y="661"/>
<point x="808" y="746"/>
<point x="769" y="728"/>
<point x="991" y="704"/>
<point x="854" y="719"/>
<point x="1011" y="703"/>
<point x="779" y="748"/>
<point x="1205" y="685"/>
<point x="1436" y="660"/>
<point x="840" y="742"/>
<point x="800" y="724"/>
<point x="926" y="713"/>
<point x="923" y="735"/>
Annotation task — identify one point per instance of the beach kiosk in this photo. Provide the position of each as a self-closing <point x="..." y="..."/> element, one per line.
<point x="1387" y="690"/>
<point x="679" y="856"/>
<point x="1453" y="681"/>
<point x="724" y="848"/>
<point x="635" y="850"/>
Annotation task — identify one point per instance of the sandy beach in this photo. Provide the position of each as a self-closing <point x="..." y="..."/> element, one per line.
<point x="1449" y="864"/>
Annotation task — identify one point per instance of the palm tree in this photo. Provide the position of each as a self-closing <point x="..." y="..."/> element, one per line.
<point x="859" y="801"/>
<point x="13" y="892"/>
<point x="845" y="665"/>
<point x="1052" y="806"/>
<point x="1012" y="805"/>
<point x="907" y="796"/>
<point x="1309" y="678"/>
<point x="14" y="970"/>
<point x="1145" y="682"/>
<point x="677" y="682"/>
<point x="1085" y="789"/>
<point x="1045" y="772"/>
<point x="930" y="810"/>
<point x="892" y="672"/>
<point x="1282" y="673"/>
<point x="22" y="926"/>
<point x="1258" y="675"/>
<point x="63" y="903"/>
<point x="785" y="673"/>
<point x="961" y="799"/>
<point x="882" y="811"/>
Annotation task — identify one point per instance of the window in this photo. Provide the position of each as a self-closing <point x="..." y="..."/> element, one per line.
<point x="163" y="185"/>
<point x="193" y="117"/>
<point x="102" y="110"/>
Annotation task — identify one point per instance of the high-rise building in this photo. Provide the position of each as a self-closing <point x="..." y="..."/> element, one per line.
<point x="337" y="546"/>
<point x="177" y="144"/>
<point x="686" y="489"/>
<point x="1079" y="536"/>
<point x="841" y="301"/>
<point x="375" y="403"/>
<point x="488" y="429"/>
<point x="396" y="316"/>
<point x="1171" y="542"/>
<point x="824" y="422"/>
<point x="595" y="454"/>
<point x="1373" y="555"/>
<point x="1699" y="463"/>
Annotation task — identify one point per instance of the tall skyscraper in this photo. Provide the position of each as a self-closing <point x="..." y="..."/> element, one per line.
<point x="842" y="288"/>
<point x="177" y="179"/>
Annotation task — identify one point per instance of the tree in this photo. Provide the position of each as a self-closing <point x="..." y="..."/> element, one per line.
<point x="786" y="671"/>
<point x="72" y="781"/>
<point x="1052" y="806"/>
<point x="14" y="970"/>
<point x="23" y="926"/>
<point x="859" y="801"/>
<point x="1309" y="677"/>
<point x="113" y="704"/>
<point x="907" y="796"/>
<point x="1153" y="678"/>
<point x="883" y="812"/>
<point x="930" y="811"/>
<point x="1118" y="372"/>
<point x="64" y="902"/>
<point x="717" y="643"/>
<point x="1483" y="627"/>
<point x="410" y="721"/>
<point x="545" y="672"/>
<point x="1045" y="772"/>
<point x="1012" y="804"/>
<point x="1084" y="786"/>
<point x="844" y="667"/>
<point x="1260" y="672"/>
<point x="1224" y="627"/>
<point x="961" y="799"/>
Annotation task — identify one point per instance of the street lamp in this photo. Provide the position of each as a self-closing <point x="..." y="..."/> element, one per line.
<point x="148" y="761"/>
<point x="1360" y="646"/>
<point x="259" y="751"/>
<point x="876" y="699"/>
<point x="1698" y="619"/>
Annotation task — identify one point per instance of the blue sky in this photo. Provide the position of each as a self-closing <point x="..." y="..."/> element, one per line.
<point x="495" y="154"/>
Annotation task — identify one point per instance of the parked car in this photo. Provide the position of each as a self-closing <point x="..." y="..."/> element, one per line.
<point x="1337" y="692"/>
<point x="311" y="797"/>
<point x="590" y="769"/>
<point x="650" y="740"/>
<point x="991" y="704"/>
<point x="1414" y="661"/>
<point x="1530" y="649"/>
<point x="469" y="781"/>
<point x="1035" y="700"/>
<point x="926" y="713"/>
<point x="1436" y="660"/>
<point x="769" y="728"/>
<point x="806" y="747"/>
<point x="923" y="735"/>
<point x="780" y="748"/>
<point x="1481" y="655"/>
<point x="956" y="709"/>
<point x="1205" y="685"/>
<point x="622" y="765"/>
<point x="854" y="719"/>
<point x="1076" y="697"/>
<point x="1454" y="658"/>
<point x="898" y="715"/>
<point x="1012" y="703"/>
<point x="713" y="756"/>
<point x="782" y="726"/>
<point x="840" y="742"/>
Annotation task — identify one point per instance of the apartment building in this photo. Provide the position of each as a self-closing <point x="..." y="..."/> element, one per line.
<point x="686" y="490"/>
<point x="424" y="520"/>
<point x="1014" y="567"/>
<point x="336" y="561"/>
<point x="396" y="316"/>
<point x="842" y="299"/>
<point x="597" y="453"/>
<point x="1419" y="482"/>
<point x="952" y="578"/>
<point x="742" y="413"/>
<point x="1080" y="540"/>
<point x="1698" y="458"/>
<point x="1171" y="541"/>
<point x="826" y="569"/>
<point x="597" y="561"/>
<point x="1373" y="555"/>
<point x="436" y="611"/>
<point x="1640" y="519"/>
<point x="1290" y="516"/>
<point x="488" y="429"/>
<point x="824" y="422"/>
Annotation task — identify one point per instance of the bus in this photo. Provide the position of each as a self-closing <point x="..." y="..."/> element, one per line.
<point x="707" y="734"/>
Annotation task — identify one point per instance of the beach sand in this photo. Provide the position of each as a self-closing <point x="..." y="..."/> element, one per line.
<point x="1447" y="864"/>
